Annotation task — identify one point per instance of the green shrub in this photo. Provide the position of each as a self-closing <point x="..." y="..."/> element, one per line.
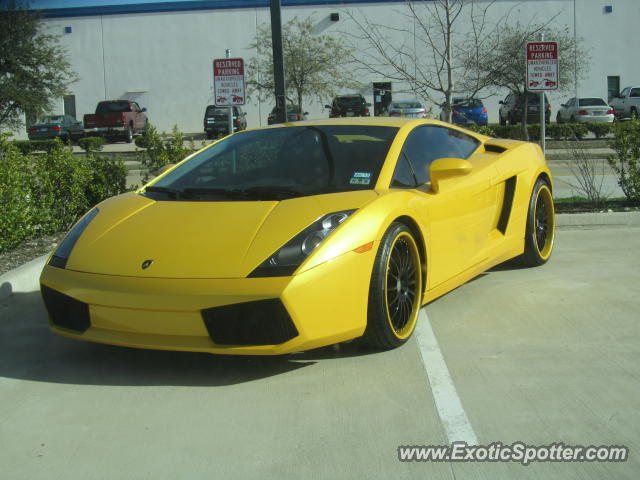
<point x="482" y="130"/>
<point x="29" y="146"/>
<point x="108" y="178"/>
<point x="59" y="189"/>
<point x="16" y="204"/>
<point x="159" y="151"/>
<point x="92" y="144"/>
<point x="47" y="193"/>
<point x="508" y="131"/>
<point x="600" y="129"/>
<point x="626" y="160"/>
<point x="557" y="131"/>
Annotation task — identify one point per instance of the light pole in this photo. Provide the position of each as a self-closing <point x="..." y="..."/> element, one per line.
<point x="278" y="62"/>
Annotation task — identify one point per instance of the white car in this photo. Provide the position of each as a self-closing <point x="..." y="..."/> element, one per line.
<point x="585" y="110"/>
<point x="406" y="108"/>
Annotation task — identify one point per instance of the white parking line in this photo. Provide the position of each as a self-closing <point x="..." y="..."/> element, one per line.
<point x="452" y="415"/>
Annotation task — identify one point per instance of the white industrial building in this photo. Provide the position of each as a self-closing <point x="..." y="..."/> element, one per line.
<point x="159" y="53"/>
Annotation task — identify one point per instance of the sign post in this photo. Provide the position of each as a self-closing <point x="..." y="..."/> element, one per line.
<point x="542" y="74"/>
<point x="229" y="84"/>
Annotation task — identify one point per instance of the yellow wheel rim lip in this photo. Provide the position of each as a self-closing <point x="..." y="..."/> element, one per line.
<point x="406" y="331"/>
<point x="547" y="198"/>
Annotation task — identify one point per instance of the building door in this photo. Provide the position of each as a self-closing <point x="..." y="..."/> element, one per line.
<point x="613" y="87"/>
<point x="381" y="97"/>
<point x="70" y="106"/>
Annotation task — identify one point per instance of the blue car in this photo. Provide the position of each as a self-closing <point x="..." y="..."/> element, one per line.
<point x="468" y="111"/>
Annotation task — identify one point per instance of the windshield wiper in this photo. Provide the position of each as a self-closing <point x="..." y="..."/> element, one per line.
<point x="175" y="193"/>
<point x="253" y="193"/>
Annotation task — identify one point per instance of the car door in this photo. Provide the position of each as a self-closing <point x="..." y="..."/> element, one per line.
<point x="461" y="215"/>
<point x="622" y="101"/>
<point x="568" y="110"/>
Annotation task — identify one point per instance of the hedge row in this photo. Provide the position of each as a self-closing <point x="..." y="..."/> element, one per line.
<point x="46" y="193"/>
<point x="556" y="131"/>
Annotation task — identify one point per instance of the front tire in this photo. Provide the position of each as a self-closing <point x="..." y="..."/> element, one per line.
<point x="395" y="294"/>
<point x="634" y="113"/>
<point x="541" y="225"/>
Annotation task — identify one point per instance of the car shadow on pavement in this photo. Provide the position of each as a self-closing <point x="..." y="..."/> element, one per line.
<point x="29" y="351"/>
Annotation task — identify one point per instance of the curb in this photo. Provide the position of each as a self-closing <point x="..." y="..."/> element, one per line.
<point x="22" y="279"/>
<point x="25" y="278"/>
<point x="598" y="219"/>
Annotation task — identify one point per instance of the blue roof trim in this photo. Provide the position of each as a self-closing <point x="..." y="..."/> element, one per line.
<point x="175" y="6"/>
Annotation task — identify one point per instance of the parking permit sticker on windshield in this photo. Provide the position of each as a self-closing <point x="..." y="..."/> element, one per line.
<point x="360" y="178"/>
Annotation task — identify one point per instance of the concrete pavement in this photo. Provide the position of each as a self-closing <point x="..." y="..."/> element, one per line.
<point x="538" y="355"/>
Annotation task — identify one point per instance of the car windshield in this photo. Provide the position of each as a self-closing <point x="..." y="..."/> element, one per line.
<point x="52" y="119"/>
<point x="406" y="105"/>
<point x="112" y="107"/>
<point x="467" y="102"/>
<point x="216" y="111"/>
<point x="354" y="101"/>
<point x="592" y="102"/>
<point x="275" y="164"/>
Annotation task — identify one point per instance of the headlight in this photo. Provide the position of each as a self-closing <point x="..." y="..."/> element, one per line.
<point x="289" y="257"/>
<point x="61" y="255"/>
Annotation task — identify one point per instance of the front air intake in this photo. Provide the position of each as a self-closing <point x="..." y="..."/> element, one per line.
<point x="263" y="322"/>
<point x="64" y="311"/>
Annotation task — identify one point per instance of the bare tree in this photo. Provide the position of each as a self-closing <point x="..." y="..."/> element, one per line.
<point x="589" y="174"/>
<point x="429" y="51"/>
<point x="314" y="64"/>
<point x="504" y="64"/>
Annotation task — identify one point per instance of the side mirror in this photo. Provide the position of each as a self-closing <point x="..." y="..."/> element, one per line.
<point x="306" y="113"/>
<point x="563" y="105"/>
<point x="327" y="106"/>
<point x="501" y="102"/>
<point x="444" y="168"/>
<point x="144" y="109"/>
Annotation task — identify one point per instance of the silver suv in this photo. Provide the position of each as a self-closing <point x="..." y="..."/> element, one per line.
<point x="627" y="104"/>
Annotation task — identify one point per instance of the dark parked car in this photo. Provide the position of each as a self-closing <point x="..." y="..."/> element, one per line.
<point x="56" y="126"/>
<point x="294" y="114"/>
<point x="512" y="108"/>
<point x="349" y="106"/>
<point x="216" y="120"/>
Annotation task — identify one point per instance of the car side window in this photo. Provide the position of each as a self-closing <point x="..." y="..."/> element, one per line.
<point x="571" y="102"/>
<point x="404" y="176"/>
<point x="635" y="92"/>
<point x="624" y="92"/>
<point x="430" y="142"/>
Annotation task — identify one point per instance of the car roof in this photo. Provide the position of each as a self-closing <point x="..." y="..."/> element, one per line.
<point x="397" y="122"/>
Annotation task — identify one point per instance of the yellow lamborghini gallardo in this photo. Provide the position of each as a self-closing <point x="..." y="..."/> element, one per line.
<point x="296" y="236"/>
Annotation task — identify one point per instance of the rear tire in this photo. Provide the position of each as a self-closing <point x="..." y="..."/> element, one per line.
<point x="395" y="293"/>
<point x="128" y="137"/>
<point x="541" y="223"/>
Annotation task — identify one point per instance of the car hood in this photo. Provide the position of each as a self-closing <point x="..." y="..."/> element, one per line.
<point x="196" y="239"/>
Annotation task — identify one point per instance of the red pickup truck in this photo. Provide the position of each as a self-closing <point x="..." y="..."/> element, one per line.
<point x="116" y="119"/>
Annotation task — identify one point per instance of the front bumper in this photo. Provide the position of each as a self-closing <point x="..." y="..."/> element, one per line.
<point x="324" y="305"/>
